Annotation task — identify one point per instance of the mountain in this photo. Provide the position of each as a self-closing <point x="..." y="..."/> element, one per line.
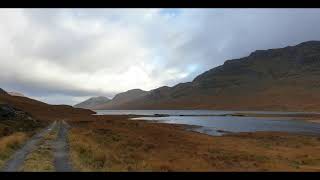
<point x="274" y="79"/>
<point x="123" y="98"/>
<point x="91" y="103"/>
<point x="117" y="101"/>
<point x="15" y="94"/>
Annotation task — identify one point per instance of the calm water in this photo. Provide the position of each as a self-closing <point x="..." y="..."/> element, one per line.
<point x="212" y="124"/>
<point x="186" y="112"/>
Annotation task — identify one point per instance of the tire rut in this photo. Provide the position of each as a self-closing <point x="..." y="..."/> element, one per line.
<point x="61" y="149"/>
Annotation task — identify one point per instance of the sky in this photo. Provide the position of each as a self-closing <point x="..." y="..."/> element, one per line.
<point x="64" y="56"/>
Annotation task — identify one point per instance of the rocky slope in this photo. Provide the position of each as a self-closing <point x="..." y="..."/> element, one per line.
<point x="275" y="79"/>
<point x="2" y="91"/>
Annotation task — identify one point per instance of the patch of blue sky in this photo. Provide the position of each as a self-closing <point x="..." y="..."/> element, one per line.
<point x="173" y="12"/>
<point x="192" y="68"/>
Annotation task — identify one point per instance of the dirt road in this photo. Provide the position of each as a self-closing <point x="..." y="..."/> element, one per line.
<point x="15" y="163"/>
<point x="60" y="149"/>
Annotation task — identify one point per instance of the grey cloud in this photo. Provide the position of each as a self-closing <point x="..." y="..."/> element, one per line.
<point x="47" y="89"/>
<point x="191" y="42"/>
<point x="233" y="33"/>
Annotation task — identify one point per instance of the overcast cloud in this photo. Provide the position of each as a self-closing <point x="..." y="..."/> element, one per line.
<point x="63" y="56"/>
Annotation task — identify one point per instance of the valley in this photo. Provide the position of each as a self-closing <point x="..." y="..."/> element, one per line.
<point x="117" y="143"/>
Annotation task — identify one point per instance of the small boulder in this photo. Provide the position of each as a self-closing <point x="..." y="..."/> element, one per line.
<point x="7" y="111"/>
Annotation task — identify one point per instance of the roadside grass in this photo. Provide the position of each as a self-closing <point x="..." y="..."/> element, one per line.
<point x="20" y="124"/>
<point x="85" y="153"/>
<point x="41" y="159"/>
<point x="90" y="154"/>
<point x="9" y="144"/>
<point x="13" y="134"/>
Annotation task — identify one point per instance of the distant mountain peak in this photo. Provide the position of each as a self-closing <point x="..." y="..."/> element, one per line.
<point x="134" y="90"/>
<point x="99" y="98"/>
<point x="309" y="43"/>
<point x="92" y="102"/>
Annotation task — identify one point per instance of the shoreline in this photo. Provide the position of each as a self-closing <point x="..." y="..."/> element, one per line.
<point x="313" y="117"/>
<point x="221" y="132"/>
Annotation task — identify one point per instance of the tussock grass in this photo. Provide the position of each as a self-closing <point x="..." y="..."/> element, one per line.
<point x="9" y="144"/>
<point x="85" y="153"/>
<point x="90" y="154"/>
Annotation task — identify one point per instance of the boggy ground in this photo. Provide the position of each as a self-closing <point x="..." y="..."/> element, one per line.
<point x="114" y="143"/>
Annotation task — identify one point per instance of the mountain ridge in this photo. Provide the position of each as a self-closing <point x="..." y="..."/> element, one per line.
<point x="123" y="98"/>
<point x="272" y="79"/>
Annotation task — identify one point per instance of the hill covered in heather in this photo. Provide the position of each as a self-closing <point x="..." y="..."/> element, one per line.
<point x="39" y="110"/>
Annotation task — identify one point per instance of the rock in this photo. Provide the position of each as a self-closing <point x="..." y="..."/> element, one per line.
<point x="7" y="111"/>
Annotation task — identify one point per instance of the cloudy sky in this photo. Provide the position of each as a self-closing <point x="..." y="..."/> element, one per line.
<point x="63" y="56"/>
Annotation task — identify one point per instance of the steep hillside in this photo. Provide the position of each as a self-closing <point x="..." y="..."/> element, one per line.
<point x="275" y="79"/>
